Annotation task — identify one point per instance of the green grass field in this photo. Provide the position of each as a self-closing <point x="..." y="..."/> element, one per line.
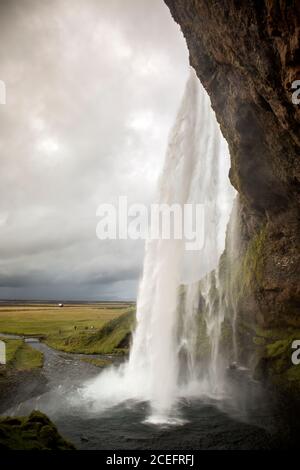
<point x="21" y="356"/>
<point x="112" y="338"/>
<point x="81" y="328"/>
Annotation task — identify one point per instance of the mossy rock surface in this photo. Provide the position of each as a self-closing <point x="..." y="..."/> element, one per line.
<point x="33" y="432"/>
<point x="275" y="365"/>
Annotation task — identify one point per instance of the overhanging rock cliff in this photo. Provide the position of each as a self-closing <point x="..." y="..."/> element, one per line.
<point x="247" y="56"/>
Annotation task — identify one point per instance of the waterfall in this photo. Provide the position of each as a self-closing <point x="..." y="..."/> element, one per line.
<point x="189" y="338"/>
<point x="232" y="254"/>
<point x="195" y="171"/>
<point x="153" y="357"/>
<point x="214" y="313"/>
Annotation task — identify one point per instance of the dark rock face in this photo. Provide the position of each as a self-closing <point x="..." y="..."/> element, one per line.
<point x="247" y="65"/>
<point x="247" y="56"/>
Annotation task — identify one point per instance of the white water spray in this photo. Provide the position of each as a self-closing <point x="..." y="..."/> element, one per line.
<point x="195" y="171"/>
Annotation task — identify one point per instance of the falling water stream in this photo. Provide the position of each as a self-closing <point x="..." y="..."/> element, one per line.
<point x="195" y="172"/>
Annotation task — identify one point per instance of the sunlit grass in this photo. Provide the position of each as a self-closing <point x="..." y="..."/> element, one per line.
<point x="86" y="328"/>
<point x="48" y="320"/>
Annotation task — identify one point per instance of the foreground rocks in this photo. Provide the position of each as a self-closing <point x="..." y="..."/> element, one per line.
<point x="19" y="385"/>
<point x="34" y="432"/>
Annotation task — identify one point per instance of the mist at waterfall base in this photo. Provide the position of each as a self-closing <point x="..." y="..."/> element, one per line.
<point x="162" y="368"/>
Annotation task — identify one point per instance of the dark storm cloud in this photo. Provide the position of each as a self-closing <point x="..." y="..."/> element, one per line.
<point x="106" y="277"/>
<point x="20" y="280"/>
<point x="92" y="90"/>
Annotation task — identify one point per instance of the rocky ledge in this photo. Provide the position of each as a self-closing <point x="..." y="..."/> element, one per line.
<point x="35" y="432"/>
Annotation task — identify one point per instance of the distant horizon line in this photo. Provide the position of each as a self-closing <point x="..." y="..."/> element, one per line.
<point x="67" y="301"/>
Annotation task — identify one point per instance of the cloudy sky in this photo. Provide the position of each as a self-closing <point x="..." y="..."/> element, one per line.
<point x="92" y="90"/>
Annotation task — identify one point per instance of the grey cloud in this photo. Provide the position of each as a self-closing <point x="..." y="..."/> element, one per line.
<point x="92" y="90"/>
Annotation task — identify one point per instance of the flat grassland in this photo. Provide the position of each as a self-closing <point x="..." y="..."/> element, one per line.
<point x="49" y="319"/>
<point x="79" y="328"/>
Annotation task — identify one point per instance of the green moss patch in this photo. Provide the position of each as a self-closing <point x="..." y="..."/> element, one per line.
<point x="97" y="362"/>
<point x="112" y="338"/>
<point x="34" y="432"/>
<point x="276" y="366"/>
